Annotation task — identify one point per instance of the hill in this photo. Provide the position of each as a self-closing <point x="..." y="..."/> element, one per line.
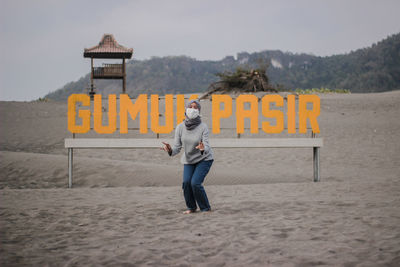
<point x="372" y="69"/>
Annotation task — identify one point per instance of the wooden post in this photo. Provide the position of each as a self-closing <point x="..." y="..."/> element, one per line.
<point x="70" y="166"/>
<point x="124" y="77"/>
<point x="91" y="93"/>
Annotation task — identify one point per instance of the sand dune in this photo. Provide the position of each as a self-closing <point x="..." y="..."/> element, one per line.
<point x="125" y="207"/>
<point x="307" y="224"/>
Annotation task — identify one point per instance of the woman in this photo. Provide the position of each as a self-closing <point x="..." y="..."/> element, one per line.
<point x="192" y="133"/>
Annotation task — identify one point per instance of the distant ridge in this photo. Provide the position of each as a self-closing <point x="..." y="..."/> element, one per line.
<point x="372" y="69"/>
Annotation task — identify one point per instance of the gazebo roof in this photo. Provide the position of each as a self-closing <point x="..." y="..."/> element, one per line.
<point x="108" y="48"/>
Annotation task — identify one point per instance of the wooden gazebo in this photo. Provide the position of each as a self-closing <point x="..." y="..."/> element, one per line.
<point x="106" y="49"/>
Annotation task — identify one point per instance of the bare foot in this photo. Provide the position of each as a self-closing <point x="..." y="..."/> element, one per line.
<point x="189" y="211"/>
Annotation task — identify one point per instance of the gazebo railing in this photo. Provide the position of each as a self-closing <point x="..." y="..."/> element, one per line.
<point x="109" y="71"/>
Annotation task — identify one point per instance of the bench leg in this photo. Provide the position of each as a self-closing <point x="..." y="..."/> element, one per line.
<point x="317" y="177"/>
<point x="70" y="166"/>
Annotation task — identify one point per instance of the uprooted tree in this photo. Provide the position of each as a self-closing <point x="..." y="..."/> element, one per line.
<point x="241" y="80"/>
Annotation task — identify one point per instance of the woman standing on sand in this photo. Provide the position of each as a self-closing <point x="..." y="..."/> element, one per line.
<point x="192" y="133"/>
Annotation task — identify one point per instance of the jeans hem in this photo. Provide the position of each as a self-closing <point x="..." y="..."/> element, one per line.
<point x="208" y="209"/>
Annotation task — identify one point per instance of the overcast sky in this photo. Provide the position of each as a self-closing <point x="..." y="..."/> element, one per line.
<point x="42" y="42"/>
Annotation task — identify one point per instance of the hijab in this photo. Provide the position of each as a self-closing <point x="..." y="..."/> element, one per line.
<point x="192" y="123"/>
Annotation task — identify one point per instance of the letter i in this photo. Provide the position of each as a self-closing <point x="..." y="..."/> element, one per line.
<point x="291" y="114"/>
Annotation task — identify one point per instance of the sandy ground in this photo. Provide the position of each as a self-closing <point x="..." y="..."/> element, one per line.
<point x="125" y="207"/>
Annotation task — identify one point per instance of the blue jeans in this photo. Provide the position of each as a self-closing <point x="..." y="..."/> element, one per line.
<point x="193" y="191"/>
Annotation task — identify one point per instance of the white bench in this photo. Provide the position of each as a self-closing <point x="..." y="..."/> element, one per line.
<point x="85" y="143"/>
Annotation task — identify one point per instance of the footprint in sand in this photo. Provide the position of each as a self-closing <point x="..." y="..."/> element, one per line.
<point x="283" y="232"/>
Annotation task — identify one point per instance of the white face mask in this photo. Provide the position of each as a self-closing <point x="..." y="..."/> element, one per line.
<point x="192" y="113"/>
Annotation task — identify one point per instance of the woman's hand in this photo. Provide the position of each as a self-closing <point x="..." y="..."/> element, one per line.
<point x="166" y="147"/>
<point x="200" y="146"/>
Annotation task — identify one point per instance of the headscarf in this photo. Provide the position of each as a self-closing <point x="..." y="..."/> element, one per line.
<point x="192" y="123"/>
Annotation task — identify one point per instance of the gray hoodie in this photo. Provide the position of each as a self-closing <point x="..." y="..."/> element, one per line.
<point x="189" y="139"/>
